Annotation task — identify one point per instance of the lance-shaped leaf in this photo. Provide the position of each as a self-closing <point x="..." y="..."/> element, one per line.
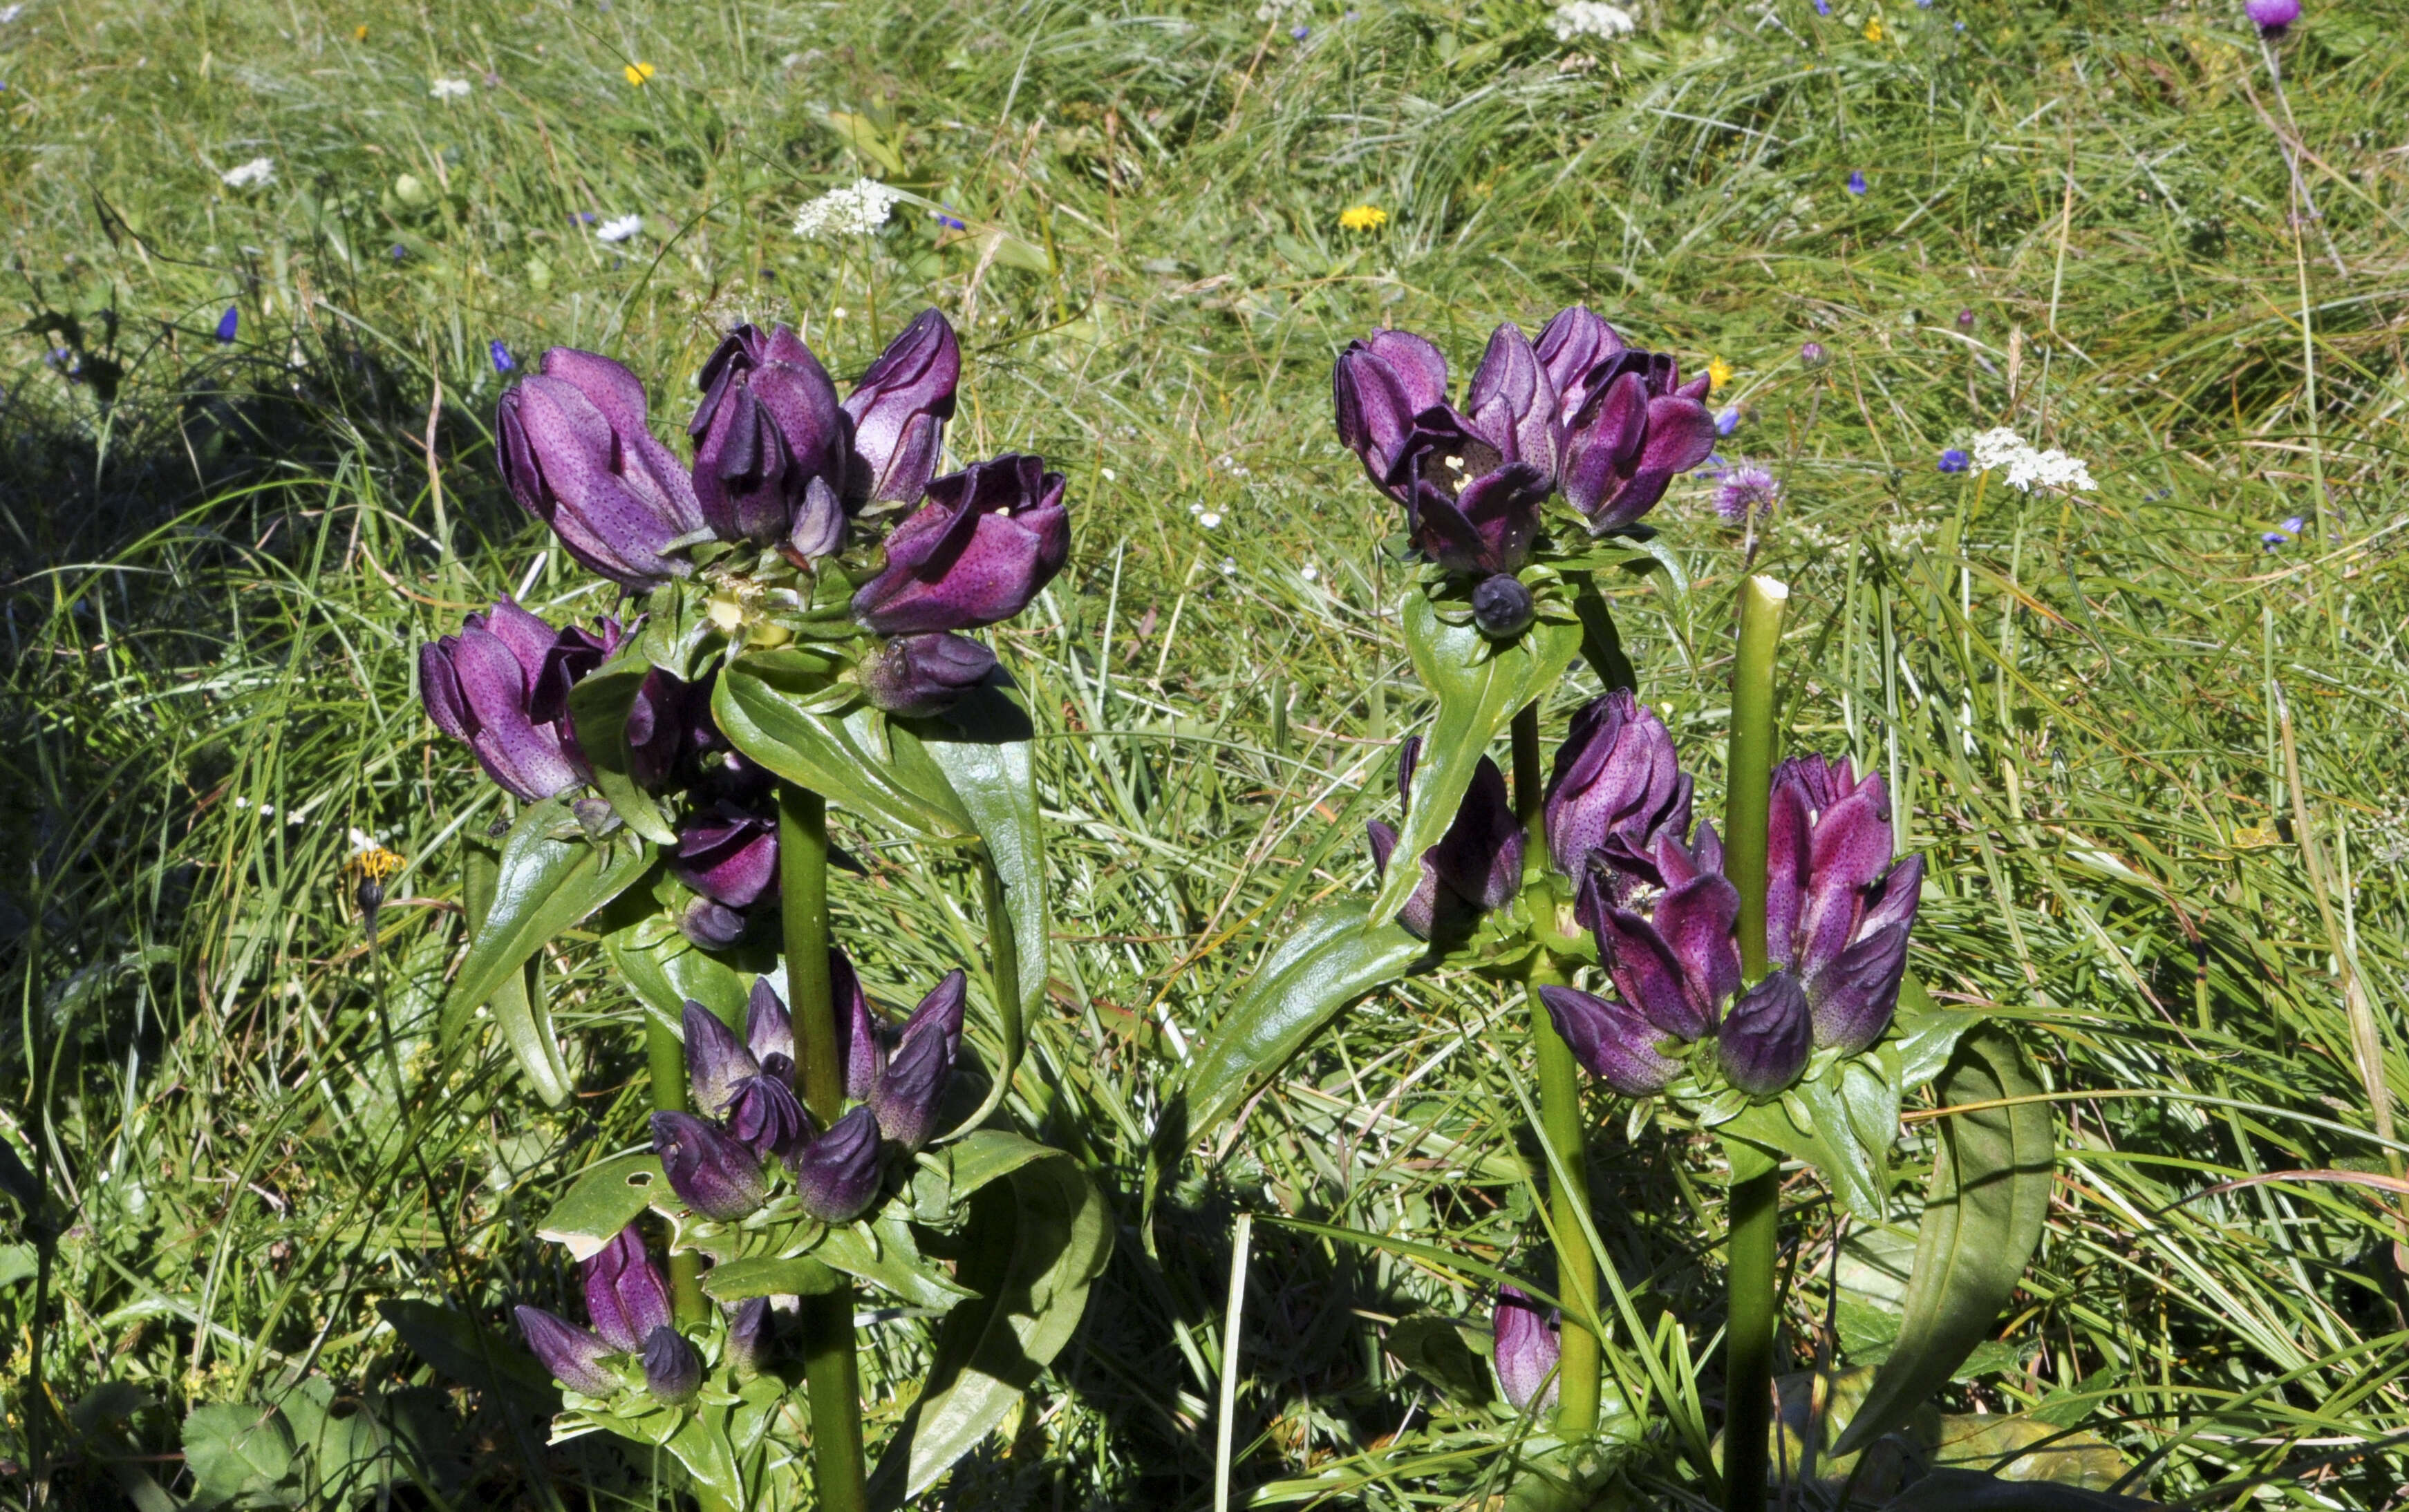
<point x="545" y="886"/>
<point x="1036" y="1243"/>
<point x="1480" y="686"/>
<point x="666" y="970"/>
<point x="1991" y="1181"/>
<point x="598" y="710"/>
<point x="776" y="719"/>
<point x="603" y="1201"/>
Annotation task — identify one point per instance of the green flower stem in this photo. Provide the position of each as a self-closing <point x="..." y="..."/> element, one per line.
<point x="1003" y="981"/>
<point x="1756" y="1207"/>
<point x="666" y="1053"/>
<point x="829" y="1373"/>
<point x="1559" y="1112"/>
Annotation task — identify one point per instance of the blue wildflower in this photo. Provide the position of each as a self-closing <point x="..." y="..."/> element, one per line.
<point x="227" y="323"/>
<point x="1952" y="460"/>
<point x="2295" y="525"/>
<point x="398" y="252"/>
<point x="942" y="218"/>
<point x="1823" y="7"/>
<point x="2273" y="539"/>
<point x="580" y="217"/>
<point x="1728" y="420"/>
<point x="1856" y="182"/>
<point x="501" y="355"/>
<point x="1300" y="33"/>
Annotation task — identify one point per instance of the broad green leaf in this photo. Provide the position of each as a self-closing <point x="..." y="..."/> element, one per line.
<point x="860" y="133"/>
<point x="1857" y="1170"/>
<point x="1926" y="1034"/>
<point x="462" y="1350"/>
<point x="893" y="1264"/>
<point x="603" y="1199"/>
<point x="1450" y="1355"/>
<point x="986" y="1155"/>
<point x="767" y="715"/>
<point x="2018" y="1447"/>
<point x="599" y="706"/>
<point x="343" y="1449"/>
<point x="1036" y="1244"/>
<point x="236" y="1448"/>
<point x="1333" y="959"/>
<point x="985" y="746"/>
<point x="545" y="887"/>
<point x="1480" y="686"/>
<point x="1991" y="1181"/>
<point x="1970" y="1490"/>
<point x="664" y="969"/>
<point x="793" y="1276"/>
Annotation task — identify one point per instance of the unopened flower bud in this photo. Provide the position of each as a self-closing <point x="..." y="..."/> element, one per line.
<point x="918" y="675"/>
<point x="1501" y="607"/>
<point x="673" y="1371"/>
<point x="836" y="1176"/>
<point x="573" y="1355"/>
<point x="712" y="1173"/>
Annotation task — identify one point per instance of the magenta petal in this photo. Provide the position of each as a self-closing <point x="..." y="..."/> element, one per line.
<point x="1695" y="921"/>
<point x="899" y="409"/>
<point x="517" y="754"/>
<point x="1601" y="446"/>
<point x="1511" y="401"/>
<point x="1787" y="827"/>
<point x="1526" y="1349"/>
<point x="1419" y="368"/>
<point x="1855" y="997"/>
<point x="1767" y="1038"/>
<point x="1681" y="434"/>
<point x="439" y="687"/>
<point x="1649" y="976"/>
<point x="1612" y="1041"/>
<point x="769" y="1030"/>
<point x="572" y="1355"/>
<point x="859" y="1044"/>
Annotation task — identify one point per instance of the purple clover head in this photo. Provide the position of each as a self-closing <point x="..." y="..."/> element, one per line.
<point x="1639" y="426"/>
<point x="1838" y="908"/>
<point x="1766" y="1037"/>
<point x="1811" y="354"/>
<point x="919" y="675"/>
<point x="1526" y="1351"/>
<point x="627" y="1297"/>
<point x="2271" y="16"/>
<point x="1966" y="320"/>
<point x="1502" y="608"/>
<point x="673" y="1370"/>
<point x="1618" y="785"/>
<point x="907" y="1092"/>
<point x="836" y="1174"/>
<point x="770" y="444"/>
<point x="763" y="1114"/>
<point x="716" y="1061"/>
<point x="1611" y="1040"/>
<point x="501" y="686"/>
<point x="859" y="1042"/>
<point x="729" y="854"/>
<point x="577" y="455"/>
<point x="1748" y="491"/>
<point x="711" y="1172"/>
<point x="975" y="553"/>
<point x="748" y="1335"/>
<point x="899" y="413"/>
<point x="768" y="1028"/>
<point x="1380" y="385"/>
<point x="573" y="1355"/>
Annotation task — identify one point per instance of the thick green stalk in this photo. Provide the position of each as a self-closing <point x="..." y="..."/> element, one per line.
<point x="666" y="1053"/>
<point x="1756" y="1186"/>
<point x="1560" y="1115"/>
<point x="829" y="1373"/>
<point x="1003" y="980"/>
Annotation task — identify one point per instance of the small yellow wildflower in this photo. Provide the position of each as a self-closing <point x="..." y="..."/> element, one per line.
<point x="359" y="34"/>
<point x="1364" y="218"/>
<point x="637" y="73"/>
<point x="1874" y="30"/>
<point x="375" y="863"/>
<point x="1719" y="372"/>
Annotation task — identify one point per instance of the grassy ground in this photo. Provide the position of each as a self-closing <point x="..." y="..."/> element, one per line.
<point x="2157" y="763"/>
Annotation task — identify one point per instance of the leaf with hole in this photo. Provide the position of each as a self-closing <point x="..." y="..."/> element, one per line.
<point x="603" y="1199"/>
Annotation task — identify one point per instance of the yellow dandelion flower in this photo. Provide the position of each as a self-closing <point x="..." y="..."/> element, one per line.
<point x="1874" y="30"/>
<point x="1719" y="372"/>
<point x="637" y="73"/>
<point x="359" y="34"/>
<point x="1364" y="218"/>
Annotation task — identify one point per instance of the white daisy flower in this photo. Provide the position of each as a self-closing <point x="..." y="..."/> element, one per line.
<point x="619" y="228"/>
<point x="259" y="171"/>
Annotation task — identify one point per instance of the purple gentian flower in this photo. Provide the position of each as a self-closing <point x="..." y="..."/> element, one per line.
<point x="573" y="1355"/>
<point x="905" y="1096"/>
<point x="899" y="411"/>
<point x="1953" y="460"/>
<point x="1618" y="786"/>
<point x="1856" y="182"/>
<point x="976" y="552"/>
<point x="1475" y="867"/>
<point x="577" y="453"/>
<point x="836" y="1176"/>
<point x="769" y="451"/>
<point x="1528" y="1347"/>
<point x="1636" y="424"/>
<point x="626" y="1296"/>
<point x="1678" y="965"/>
<point x="711" y="1172"/>
<point x="1838" y="908"/>
<point x="1765" y="1041"/>
<point x="501" y="687"/>
<point x="918" y="675"/>
<point x="227" y="323"/>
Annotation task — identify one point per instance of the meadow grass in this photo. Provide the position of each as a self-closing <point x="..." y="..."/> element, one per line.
<point x="2156" y="762"/>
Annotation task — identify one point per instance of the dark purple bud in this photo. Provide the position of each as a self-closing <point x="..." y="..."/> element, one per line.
<point x="1766" y="1037"/>
<point x="769" y="1031"/>
<point x="572" y="1355"/>
<point x="1577" y="350"/>
<point x="1853" y="997"/>
<point x="976" y="552"/>
<point x="1511" y="403"/>
<point x="501" y="686"/>
<point x="1379" y="386"/>
<point x="1618" y="785"/>
<point x="836" y="1176"/>
<point x="908" y="1091"/>
<point x="764" y="1115"/>
<point x="857" y="1040"/>
<point x="673" y="1370"/>
<point x="729" y="854"/>
<point x="627" y="1297"/>
<point x="1527" y="1348"/>
<point x="711" y="1173"/>
<point x="1635" y="431"/>
<point x="711" y="926"/>
<point x="770" y="444"/>
<point x="918" y="675"/>
<point x="716" y="1061"/>
<point x="1501" y="607"/>
<point x="899" y="411"/>
<point x="1611" y="1040"/>
<point x="2271" y="16"/>
<point x="748" y="1335"/>
<point x="577" y="453"/>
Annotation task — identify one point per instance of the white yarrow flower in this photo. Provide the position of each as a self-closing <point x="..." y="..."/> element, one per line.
<point x="10" y="13"/>
<point x="857" y="209"/>
<point x="1591" y="17"/>
<point x="2028" y="467"/>
<point x="449" y="89"/>
<point x="619" y="228"/>
<point x="259" y="171"/>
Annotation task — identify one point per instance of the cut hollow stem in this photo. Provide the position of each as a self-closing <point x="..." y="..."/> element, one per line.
<point x="830" y="1374"/>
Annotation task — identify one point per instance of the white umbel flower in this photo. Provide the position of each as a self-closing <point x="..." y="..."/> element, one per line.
<point x="449" y="89"/>
<point x="2028" y="467"/>
<point x="259" y="171"/>
<point x="1591" y="17"/>
<point x="619" y="228"/>
<point x="857" y="209"/>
